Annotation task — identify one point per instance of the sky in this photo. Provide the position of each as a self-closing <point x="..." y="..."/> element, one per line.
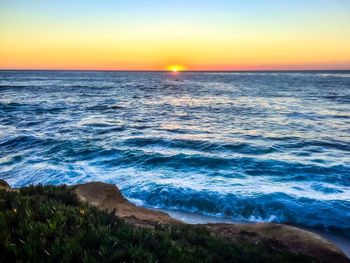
<point x="196" y="35"/>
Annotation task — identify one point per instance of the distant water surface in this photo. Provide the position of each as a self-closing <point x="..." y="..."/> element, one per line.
<point x="245" y="146"/>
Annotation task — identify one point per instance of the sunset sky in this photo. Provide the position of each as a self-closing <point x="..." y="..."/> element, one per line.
<point x="197" y="34"/>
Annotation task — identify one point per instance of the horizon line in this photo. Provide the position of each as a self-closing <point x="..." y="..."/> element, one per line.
<point x="182" y="71"/>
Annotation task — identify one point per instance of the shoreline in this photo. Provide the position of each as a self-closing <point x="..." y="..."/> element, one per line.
<point x="193" y="218"/>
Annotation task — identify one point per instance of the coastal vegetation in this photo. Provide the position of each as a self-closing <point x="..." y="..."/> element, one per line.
<point x="50" y="224"/>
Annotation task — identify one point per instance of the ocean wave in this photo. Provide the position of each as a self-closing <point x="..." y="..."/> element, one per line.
<point x="276" y="207"/>
<point x="205" y="160"/>
<point x="207" y="146"/>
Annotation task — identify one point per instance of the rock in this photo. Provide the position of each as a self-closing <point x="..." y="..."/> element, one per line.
<point x="4" y="185"/>
<point x="108" y="197"/>
<point x="282" y="237"/>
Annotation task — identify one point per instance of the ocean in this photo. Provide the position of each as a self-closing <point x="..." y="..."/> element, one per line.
<point x="245" y="146"/>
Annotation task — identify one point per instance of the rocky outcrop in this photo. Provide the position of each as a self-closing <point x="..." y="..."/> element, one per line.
<point x="108" y="197"/>
<point x="284" y="237"/>
<point x="4" y="185"/>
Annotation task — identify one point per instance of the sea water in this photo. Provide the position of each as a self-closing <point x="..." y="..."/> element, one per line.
<point x="246" y="146"/>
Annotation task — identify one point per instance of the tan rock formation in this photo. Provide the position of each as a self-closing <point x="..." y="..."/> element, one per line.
<point x="4" y="184"/>
<point x="108" y="197"/>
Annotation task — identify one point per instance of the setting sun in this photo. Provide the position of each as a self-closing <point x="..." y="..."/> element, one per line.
<point x="176" y="68"/>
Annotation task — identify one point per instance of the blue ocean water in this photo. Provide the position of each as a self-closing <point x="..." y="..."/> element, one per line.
<point x="267" y="146"/>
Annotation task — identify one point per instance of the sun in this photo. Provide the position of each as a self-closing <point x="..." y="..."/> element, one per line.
<point x="176" y="68"/>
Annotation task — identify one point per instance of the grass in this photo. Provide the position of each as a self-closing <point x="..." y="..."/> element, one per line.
<point x="49" y="224"/>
